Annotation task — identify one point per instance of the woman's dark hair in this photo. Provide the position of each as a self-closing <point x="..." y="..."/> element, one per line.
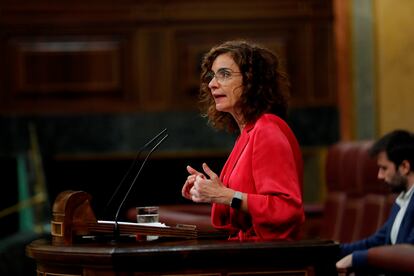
<point x="265" y="86"/>
<point x="398" y="145"/>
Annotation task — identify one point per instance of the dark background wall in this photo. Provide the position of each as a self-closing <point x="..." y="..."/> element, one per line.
<point x="97" y="79"/>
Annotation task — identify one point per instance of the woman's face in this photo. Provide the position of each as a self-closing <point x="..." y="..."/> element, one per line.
<point x="227" y="84"/>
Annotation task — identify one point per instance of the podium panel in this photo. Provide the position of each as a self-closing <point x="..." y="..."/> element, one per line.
<point x="172" y="257"/>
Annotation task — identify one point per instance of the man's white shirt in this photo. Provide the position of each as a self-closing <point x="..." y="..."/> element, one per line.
<point x="402" y="200"/>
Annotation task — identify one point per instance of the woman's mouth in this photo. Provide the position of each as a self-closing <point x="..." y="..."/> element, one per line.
<point x="218" y="96"/>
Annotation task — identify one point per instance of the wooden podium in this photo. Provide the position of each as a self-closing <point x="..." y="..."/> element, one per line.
<point x="71" y="251"/>
<point x="186" y="257"/>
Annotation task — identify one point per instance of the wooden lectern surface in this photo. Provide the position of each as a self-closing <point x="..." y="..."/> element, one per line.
<point x="168" y="256"/>
<point x="178" y="251"/>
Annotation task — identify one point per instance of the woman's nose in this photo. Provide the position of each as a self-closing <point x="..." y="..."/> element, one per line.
<point x="380" y="175"/>
<point x="213" y="83"/>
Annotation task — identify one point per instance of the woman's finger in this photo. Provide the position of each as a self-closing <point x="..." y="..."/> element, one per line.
<point x="209" y="172"/>
<point x="185" y="191"/>
<point x="191" y="170"/>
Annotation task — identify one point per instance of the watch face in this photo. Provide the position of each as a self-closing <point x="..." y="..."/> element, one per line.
<point x="237" y="200"/>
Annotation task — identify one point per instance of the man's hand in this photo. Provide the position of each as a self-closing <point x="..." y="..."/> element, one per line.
<point x="345" y="262"/>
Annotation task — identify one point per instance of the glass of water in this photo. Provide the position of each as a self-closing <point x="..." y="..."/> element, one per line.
<point x="148" y="214"/>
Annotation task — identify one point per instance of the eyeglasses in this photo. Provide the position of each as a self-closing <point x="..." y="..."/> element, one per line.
<point x="222" y="75"/>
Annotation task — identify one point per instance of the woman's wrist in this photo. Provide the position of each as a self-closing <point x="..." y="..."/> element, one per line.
<point x="225" y="196"/>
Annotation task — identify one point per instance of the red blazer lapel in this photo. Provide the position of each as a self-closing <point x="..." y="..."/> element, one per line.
<point x="236" y="153"/>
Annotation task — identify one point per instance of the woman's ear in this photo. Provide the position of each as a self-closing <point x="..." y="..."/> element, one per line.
<point x="404" y="167"/>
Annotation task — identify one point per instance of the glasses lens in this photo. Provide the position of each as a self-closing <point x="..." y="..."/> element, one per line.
<point x="221" y="75"/>
<point x="209" y="76"/>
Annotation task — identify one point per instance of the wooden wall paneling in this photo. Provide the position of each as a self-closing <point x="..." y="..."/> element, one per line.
<point x="61" y="67"/>
<point x="344" y="84"/>
<point x="155" y="84"/>
<point x="324" y="90"/>
<point x="299" y="64"/>
<point x="69" y="70"/>
<point x="229" y="10"/>
<point x="145" y="56"/>
<point x="4" y="59"/>
<point x="190" y="44"/>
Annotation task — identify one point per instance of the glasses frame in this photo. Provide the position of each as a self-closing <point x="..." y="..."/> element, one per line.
<point x="222" y="75"/>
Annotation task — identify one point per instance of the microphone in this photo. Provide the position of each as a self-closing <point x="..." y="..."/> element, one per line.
<point x="133" y="164"/>
<point x="116" y="228"/>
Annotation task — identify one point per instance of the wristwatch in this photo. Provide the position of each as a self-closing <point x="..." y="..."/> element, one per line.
<point x="236" y="201"/>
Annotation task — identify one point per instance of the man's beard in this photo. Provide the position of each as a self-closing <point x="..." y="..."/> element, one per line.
<point x="398" y="183"/>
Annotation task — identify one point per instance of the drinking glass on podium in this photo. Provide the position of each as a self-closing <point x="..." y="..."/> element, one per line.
<point x="148" y="214"/>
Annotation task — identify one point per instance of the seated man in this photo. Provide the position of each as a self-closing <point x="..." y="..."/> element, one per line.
<point x="395" y="158"/>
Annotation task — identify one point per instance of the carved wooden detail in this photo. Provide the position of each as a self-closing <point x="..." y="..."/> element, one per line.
<point x="63" y="66"/>
<point x="145" y="55"/>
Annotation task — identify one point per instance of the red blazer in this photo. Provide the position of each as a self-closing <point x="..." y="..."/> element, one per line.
<point x="266" y="164"/>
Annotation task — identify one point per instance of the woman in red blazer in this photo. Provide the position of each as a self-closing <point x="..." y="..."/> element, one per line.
<point x="259" y="192"/>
